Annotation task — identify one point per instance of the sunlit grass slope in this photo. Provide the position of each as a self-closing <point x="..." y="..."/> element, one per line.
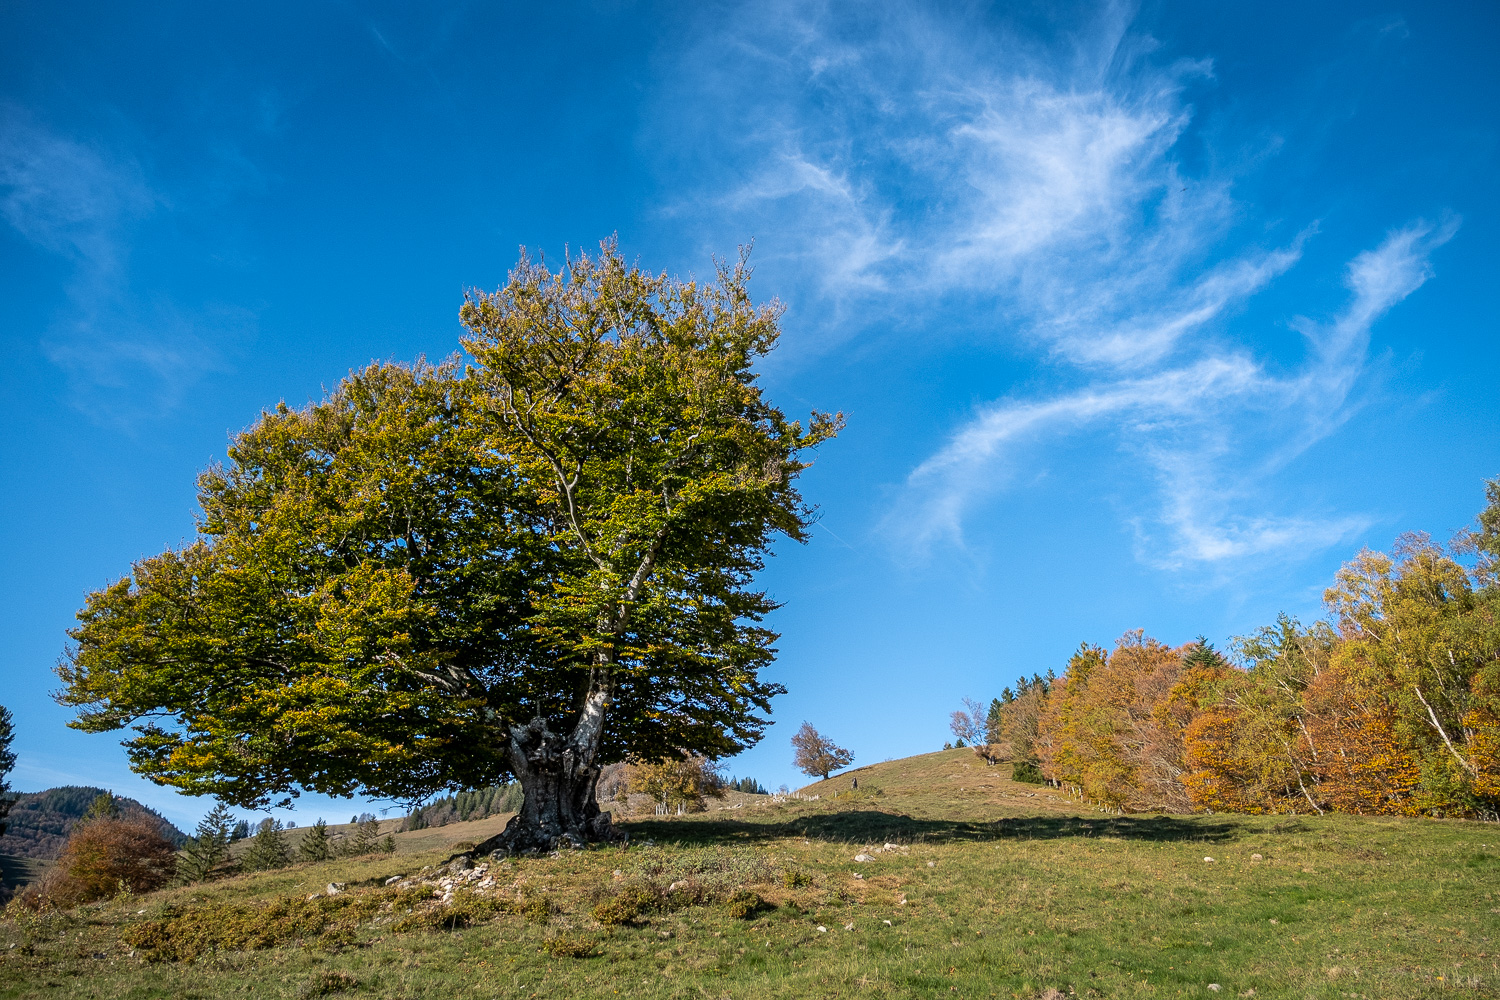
<point x="986" y="891"/>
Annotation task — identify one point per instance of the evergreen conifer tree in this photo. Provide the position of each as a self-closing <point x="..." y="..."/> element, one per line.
<point x="207" y="851"/>
<point x="366" y="838"/>
<point x="7" y="761"/>
<point x="103" y="807"/>
<point x="268" y="848"/>
<point x="315" y="845"/>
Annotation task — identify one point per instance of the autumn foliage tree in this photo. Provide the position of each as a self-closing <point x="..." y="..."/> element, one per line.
<point x="1390" y="707"/>
<point x="106" y="856"/>
<point x="815" y="755"/>
<point x="684" y="785"/>
<point x="442" y="576"/>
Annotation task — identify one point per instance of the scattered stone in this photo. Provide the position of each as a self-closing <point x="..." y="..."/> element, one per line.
<point x="849" y="926"/>
<point x="863" y="857"/>
<point x="859" y="876"/>
<point x="1209" y="860"/>
<point x="394" y="879"/>
<point x="822" y="929"/>
<point x="1255" y="857"/>
<point x="932" y="864"/>
<point x="1215" y="987"/>
<point x="886" y="922"/>
<point x="1275" y="921"/>
<point x="892" y="847"/>
<point x="313" y="897"/>
<point x="679" y="884"/>
<point x="665" y="934"/>
<point x="334" y="888"/>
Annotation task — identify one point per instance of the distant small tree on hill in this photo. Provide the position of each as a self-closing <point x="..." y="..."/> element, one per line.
<point x="684" y="784"/>
<point x="816" y="755"/>
<point x="366" y="836"/>
<point x="104" y="806"/>
<point x="206" y="853"/>
<point x="268" y="848"/>
<point x="314" y="845"/>
<point x="968" y="723"/>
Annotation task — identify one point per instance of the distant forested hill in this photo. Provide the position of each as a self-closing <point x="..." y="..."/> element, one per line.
<point x="39" y="822"/>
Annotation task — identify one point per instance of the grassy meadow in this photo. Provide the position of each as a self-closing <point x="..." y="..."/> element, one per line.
<point x="989" y="888"/>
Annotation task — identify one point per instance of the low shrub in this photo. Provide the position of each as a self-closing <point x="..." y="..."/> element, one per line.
<point x="569" y="946"/>
<point x="538" y="910"/>
<point x="793" y="878"/>
<point x="328" y="982"/>
<point x="1029" y="772"/>
<point x="465" y="910"/>
<point x="628" y="903"/>
<point x="745" y="904"/>
<point x="182" y="936"/>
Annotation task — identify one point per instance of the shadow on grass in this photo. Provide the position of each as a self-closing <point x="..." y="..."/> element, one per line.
<point x="16" y="871"/>
<point x="866" y="825"/>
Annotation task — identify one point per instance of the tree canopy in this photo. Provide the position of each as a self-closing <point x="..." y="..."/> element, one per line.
<point x="530" y="563"/>
<point x="816" y="755"/>
<point x="1391" y="706"/>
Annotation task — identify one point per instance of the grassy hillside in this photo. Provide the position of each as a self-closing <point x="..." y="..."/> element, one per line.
<point x="974" y="886"/>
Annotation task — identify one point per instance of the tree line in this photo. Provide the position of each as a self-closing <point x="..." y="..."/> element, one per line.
<point x="1390" y="705"/>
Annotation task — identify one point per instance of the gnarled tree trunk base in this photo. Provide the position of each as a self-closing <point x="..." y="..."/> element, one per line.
<point x="559" y="810"/>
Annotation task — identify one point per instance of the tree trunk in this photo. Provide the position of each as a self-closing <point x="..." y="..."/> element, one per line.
<point x="557" y="776"/>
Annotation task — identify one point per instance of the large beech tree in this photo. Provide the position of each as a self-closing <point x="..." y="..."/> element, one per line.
<point x="532" y="564"/>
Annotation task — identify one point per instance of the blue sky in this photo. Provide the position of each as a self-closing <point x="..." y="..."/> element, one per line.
<point x="1144" y="317"/>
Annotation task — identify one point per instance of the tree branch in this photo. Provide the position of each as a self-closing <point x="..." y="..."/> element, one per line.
<point x="1444" y="734"/>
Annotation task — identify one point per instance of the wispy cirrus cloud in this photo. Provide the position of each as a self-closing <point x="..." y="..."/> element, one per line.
<point x="126" y="356"/>
<point x="905" y="159"/>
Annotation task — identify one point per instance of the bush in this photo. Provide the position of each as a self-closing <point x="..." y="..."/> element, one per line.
<point x="328" y="982"/>
<point x="538" y="911"/>
<point x="626" y="905"/>
<point x="107" y="856"/>
<point x="794" y="879"/>
<point x="465" y="910"/>
<point x="1029" y="772"/>
<point x="565" y="946"/>
<point x="745" y="904"/>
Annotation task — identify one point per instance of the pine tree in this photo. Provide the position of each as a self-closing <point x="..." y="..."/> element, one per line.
<point x="103" y="807"/>
<point x="366" y="839"/>
<point x="388" y="845"/>
<point x="7" y="761"/>
<point x="314" y="845"/>
<point x="207" y="851"/>
<point x="268" y="848"/>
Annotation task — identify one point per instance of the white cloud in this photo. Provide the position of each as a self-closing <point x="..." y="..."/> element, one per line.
<point x="124" y="356"/>
<point x="1191" y="420"/>
<point x="902" y="160"/>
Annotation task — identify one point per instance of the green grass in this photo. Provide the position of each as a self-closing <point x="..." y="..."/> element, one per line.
<point x="1003" y="898"/>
